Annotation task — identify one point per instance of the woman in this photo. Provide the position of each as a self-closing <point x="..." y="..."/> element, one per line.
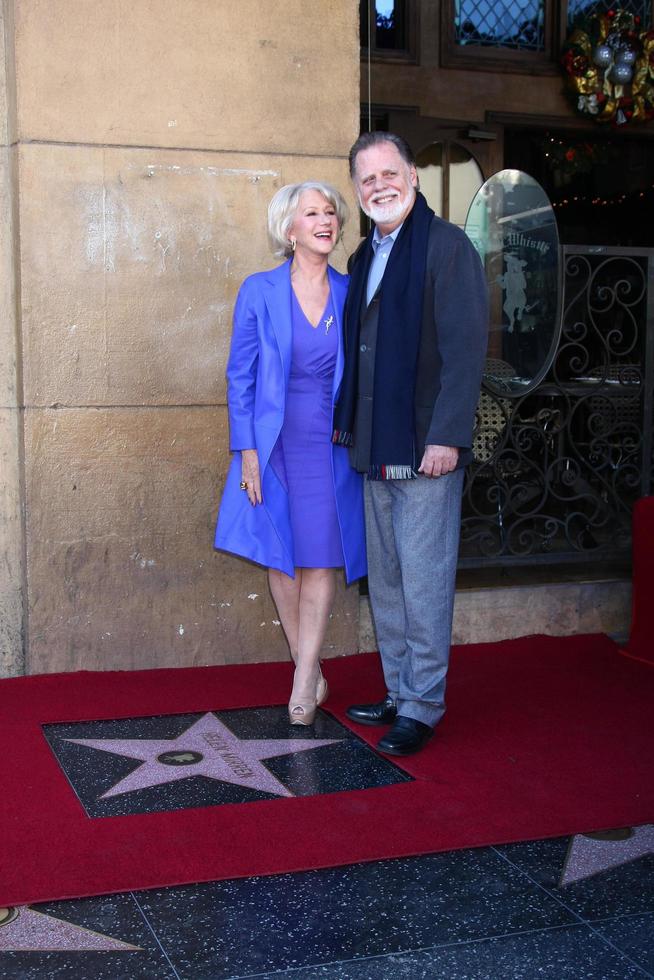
<point x="292" y="501"/>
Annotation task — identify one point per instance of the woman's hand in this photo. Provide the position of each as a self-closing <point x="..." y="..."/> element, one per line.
<point x="250" y="475"/>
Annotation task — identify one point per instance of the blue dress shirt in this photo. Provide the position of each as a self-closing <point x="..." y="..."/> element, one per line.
<point x="382" y="248"/>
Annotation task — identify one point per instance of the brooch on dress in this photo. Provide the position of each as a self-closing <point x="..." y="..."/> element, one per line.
<point x="328" y="323"/>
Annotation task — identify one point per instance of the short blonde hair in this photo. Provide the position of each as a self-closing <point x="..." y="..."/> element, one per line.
<point x="284" y="205"/>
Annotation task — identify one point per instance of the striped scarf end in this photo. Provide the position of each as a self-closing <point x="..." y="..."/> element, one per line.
<point x="341" y="438"/>
<point x="391" y="473"/>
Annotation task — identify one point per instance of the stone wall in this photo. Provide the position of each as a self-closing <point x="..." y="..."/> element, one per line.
<point x="149" y="138"/>
<point x="12" y="591"/>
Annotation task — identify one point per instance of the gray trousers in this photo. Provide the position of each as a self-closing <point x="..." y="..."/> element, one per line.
<point x="412" y="535"/>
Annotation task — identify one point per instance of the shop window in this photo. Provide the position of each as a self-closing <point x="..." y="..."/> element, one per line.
<point x="388" y="29"/>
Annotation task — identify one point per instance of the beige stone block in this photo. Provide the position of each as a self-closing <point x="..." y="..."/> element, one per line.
<point x="8" y="337"/>
<point x="130" y="264"/>
<point x="193" y="73"/>
<point x="3" y="77"/>
<point x="11" y="530"/>
<point x="11" y="547"/>
<point x="605" y="607"/>
<point x="122" y="573"/>
<point x="560" y="609"/>
<point x="7" y="74"/>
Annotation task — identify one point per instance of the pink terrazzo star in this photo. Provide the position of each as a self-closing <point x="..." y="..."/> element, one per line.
<point x="24" y="929"/>
<point x="589" y="855"/>
<point x="208" y="748"/>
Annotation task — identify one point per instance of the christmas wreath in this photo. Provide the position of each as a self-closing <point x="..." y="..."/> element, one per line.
<point x="609" y="67"/>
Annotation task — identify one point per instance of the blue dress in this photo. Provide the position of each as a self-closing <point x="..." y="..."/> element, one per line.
<point x="258" y="374"/>
<point x="302" y="457"/>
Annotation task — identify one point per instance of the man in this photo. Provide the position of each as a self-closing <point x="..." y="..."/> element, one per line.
<point x="416" y="332"/>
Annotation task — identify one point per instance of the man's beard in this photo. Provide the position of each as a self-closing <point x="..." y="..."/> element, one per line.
<point x="386" y="214"/>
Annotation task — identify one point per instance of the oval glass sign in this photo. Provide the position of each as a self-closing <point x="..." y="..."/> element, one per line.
<point x="512" y="225"/>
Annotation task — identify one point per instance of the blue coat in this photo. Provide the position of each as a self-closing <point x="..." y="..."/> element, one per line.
<point x="257" y="381"/>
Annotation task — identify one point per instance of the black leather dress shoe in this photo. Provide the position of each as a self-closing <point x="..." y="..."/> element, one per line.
<point x="380" y="713"/>
<point x="405" y="737"/>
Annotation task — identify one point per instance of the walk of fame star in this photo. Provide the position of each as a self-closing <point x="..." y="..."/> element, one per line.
<point x="590" y="854"/>
<point x="24" y="929"/>
<point x="208" y="748"/>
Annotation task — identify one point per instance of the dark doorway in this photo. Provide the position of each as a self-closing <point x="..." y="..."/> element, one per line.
<point x="601" y="186"/>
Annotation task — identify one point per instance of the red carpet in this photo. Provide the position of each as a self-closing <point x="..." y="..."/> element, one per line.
<point x="544" y="737"/>
<point x="641" y="639"/>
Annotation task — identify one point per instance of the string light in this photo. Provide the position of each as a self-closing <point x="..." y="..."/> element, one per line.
<point x="590" y="151"/>
<point x="602" y="201"/>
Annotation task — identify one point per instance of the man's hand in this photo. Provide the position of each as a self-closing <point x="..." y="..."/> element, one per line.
<point x="250" y="475"/>
<point x="439" y="460"/>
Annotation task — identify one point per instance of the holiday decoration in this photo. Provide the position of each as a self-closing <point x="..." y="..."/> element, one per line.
<point x="568" y="159"/>
<point x="609" y="66"/>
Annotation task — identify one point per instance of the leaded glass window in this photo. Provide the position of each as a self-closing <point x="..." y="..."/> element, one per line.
<point x="586" y="8"/>
<point x="517" y="24"/>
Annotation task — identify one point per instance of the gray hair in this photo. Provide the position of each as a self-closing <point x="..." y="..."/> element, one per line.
<point x="284" y="205"/>
<point x="366" y="140"/>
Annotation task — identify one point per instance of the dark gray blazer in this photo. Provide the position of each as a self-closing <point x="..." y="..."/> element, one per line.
<point x="453" y="340"/>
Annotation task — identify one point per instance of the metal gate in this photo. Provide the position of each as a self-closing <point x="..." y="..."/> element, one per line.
<point x="557" y="470"/>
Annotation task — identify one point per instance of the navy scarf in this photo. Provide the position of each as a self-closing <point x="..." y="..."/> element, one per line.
<point x="398" y="340"/>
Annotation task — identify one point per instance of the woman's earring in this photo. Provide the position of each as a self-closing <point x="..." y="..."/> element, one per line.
<point x="292" y="244"/>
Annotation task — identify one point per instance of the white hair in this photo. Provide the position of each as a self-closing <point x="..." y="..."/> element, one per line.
<point x="283" y="207"/>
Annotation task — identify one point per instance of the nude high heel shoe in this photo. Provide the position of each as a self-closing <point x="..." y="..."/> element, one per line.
<point x="304" y="712"/>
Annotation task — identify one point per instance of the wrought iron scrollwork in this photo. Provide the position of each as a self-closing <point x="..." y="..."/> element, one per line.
<point x="557" y="470"/>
